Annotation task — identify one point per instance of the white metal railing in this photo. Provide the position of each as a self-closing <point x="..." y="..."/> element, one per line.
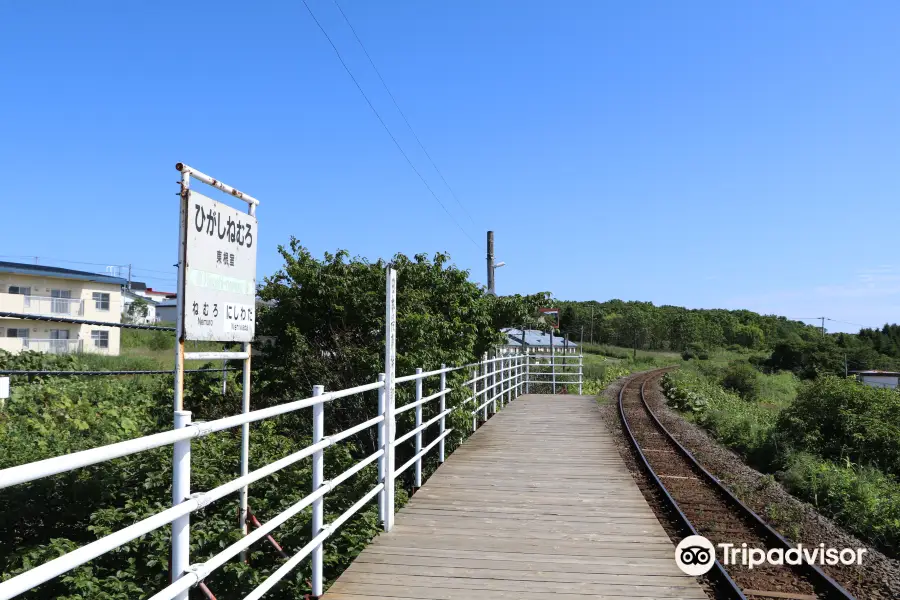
<point x="53" y="346"/>
<point x="55" y="306"/>
<point x="492" y="380"/>
<point x="502" y="378"/>
<point x="178" y="515"/>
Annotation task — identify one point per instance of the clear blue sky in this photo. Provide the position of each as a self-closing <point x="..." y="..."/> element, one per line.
<point x="707" y="154"/>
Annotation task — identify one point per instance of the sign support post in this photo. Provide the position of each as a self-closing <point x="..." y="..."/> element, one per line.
<point x="216" y="298"/>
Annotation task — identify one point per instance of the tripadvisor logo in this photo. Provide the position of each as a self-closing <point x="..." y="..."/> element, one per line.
<point x="695" y="555"/>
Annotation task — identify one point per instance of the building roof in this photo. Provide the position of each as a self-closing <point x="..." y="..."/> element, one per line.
<point x="131" y="294"/>
<point x="878" y="373"/>
<point x="57" y="272"/>
<point x="150" y="290"/>
<point x="535" y="337"/>
<point x="168" y="302"/>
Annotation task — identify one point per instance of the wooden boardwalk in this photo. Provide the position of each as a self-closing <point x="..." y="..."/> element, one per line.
<point x="537" y="503"/>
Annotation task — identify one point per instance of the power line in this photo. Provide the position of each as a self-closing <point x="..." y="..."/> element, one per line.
<point x="81" y="262"/>
<point x="383" y="124"/>
<point x="402" y="114"/>
<point x="845" y="322"/>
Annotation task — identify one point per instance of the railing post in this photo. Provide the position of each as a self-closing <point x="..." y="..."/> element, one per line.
<point x="580" y="372"/>
<point x="508" y="376"/>
<point x="390" y="365"/>
<point x="487" y="389"/>
<point x="244" y="492"/>
<point x="181" y="489"/>
<point x="475" y="399"/>
<point x="553" y="365"/>
<point x="442" y="409"/>
<point x="527" y="372"/>
<point x="494" y="384"/>
<point x="318" y="478"/>
<point x="382" y="412"/>
<point x="418" y="482"/>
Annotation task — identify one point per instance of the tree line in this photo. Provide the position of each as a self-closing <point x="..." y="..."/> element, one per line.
<point x="777" y="343"/>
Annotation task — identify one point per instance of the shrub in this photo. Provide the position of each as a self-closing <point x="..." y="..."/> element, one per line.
<point x="742" y="379"/>
<point x="864" y="500"/>
<point x="839" y="418"/>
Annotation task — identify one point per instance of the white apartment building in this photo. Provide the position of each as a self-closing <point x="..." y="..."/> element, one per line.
<point x="56" y="292"/>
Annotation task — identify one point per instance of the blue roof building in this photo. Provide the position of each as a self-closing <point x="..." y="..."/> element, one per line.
<point x="535" y="339"/>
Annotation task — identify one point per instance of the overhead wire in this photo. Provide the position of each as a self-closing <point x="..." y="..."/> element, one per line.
<point x="402" y="114"/>
<point x="82" y="262"/>
<point x="384" y="125"/>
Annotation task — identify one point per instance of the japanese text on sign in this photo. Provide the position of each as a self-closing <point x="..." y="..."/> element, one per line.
<point x="220" y="272"/>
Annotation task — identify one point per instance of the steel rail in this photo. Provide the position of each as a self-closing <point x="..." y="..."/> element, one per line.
<point x="828" y="585"/>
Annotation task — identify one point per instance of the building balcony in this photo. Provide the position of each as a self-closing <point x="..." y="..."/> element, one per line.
<point x="42" y="305"/>
<point x="48" y="346"/>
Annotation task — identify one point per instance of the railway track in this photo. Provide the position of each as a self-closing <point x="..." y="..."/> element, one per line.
<point x="704" y="506"/>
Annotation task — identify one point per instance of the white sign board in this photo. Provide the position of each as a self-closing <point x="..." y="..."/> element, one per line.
<point x="4" y="388"/>
<point x="220" y="272"/>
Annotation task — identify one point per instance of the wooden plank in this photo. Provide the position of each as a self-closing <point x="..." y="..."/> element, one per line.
<point x="536" y="502"/>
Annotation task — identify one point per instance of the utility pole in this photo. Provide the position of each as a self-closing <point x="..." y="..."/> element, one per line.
<point x="129" y="276"/>
<point x="823" y="326"/>
<point x="490" y="263"/>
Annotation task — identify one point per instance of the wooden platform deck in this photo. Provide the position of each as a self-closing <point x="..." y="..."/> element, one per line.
<point x="537" y="503"/>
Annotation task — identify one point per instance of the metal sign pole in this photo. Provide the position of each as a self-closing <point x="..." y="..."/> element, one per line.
<point x="181" y="528"/>
<point x="245" y="433"/>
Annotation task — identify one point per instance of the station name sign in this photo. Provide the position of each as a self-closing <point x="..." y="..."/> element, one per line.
<point x="220" y="271"/>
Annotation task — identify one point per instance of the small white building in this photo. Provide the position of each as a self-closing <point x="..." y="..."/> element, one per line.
<point x="879" y="379"/>
<point x="167" y="311"/>
<point x="129" y="297"/>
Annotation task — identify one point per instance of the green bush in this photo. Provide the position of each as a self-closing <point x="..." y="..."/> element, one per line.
<point x="742" y="379"/>
<point x="838" y="418"/>
<point x="863" y="499"/>
<point x="150" y="339"/>
<point x="746" y="427"/>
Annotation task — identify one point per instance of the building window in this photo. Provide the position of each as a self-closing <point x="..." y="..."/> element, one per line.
<point x="18" y="289"/>
<point x="61" y="301"/>
<point x="101" y="301"/>
<point x="100" y="338"/>
<point x="16" y="333"/>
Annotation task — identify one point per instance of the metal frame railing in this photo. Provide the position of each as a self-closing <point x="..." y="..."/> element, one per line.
<point x="561" y="369"/>
<point x="501" y="378"/>
<point x="56" y="306"/>
<point x="179" y="514"/>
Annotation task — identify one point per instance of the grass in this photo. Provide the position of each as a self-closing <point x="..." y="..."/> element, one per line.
<point x="622" y="353"/>
<point x="154" y="349"/>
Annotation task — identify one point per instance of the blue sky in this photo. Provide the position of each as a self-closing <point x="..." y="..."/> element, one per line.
<point x="707" y="154"/>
